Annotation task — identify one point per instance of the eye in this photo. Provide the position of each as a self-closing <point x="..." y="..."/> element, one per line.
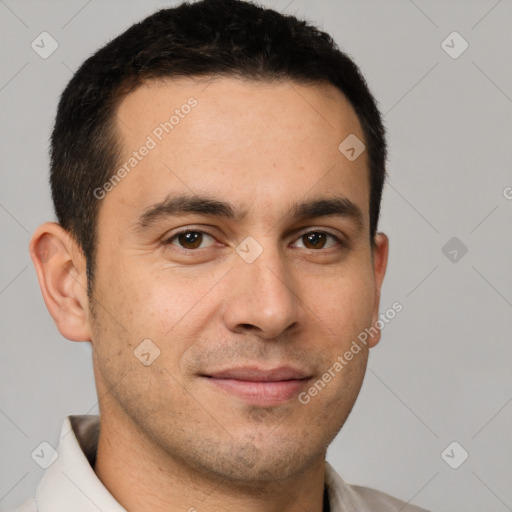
<point x="189" y="239"/>
<point x="318" y="240"/>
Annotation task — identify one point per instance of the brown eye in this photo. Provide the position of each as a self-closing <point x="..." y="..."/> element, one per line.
<point x="189" y="239"/>
<point x="318" y="240"/>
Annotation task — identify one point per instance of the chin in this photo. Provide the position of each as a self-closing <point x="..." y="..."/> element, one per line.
<point x="248" y="465"/>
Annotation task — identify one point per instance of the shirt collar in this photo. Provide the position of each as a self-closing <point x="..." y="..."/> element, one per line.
<point x="70" y="483"/>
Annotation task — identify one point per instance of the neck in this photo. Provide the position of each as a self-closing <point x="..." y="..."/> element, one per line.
<point x="142" y="477"/>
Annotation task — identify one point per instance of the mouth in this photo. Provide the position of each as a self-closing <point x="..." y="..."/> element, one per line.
<point x="263" y="387"/>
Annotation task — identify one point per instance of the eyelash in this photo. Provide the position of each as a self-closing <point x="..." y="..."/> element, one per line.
<point x="169" y="240"/>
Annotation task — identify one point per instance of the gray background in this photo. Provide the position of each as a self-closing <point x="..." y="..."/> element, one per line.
<point x="442" y="371"/>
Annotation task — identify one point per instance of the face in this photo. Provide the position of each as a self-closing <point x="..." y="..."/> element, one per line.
<point x="237" y="246"/>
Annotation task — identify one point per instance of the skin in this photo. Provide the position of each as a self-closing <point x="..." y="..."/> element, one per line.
<point x="181" y="441"/>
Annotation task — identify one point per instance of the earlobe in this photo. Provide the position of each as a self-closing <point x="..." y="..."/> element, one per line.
<point x="380" y="262"/>
<point x="60" y="268"/>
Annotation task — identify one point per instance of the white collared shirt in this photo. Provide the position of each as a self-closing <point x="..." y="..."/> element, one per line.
<point x="70" y="484"/>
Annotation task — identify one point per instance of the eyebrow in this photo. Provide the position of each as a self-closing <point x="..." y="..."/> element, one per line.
<point x="184" y="204"/>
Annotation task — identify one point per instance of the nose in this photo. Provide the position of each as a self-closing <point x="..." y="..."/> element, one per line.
<point x="261" y="300"/>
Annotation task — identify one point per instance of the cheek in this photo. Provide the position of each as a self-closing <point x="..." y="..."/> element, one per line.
<point x="345" y="304"/>
<point x="142" y="303"/>
<point x="166" y="307"/>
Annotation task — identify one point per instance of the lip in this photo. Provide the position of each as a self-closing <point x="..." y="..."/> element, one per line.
<point x="255" y="374"/>
<point x="257" y="386"/>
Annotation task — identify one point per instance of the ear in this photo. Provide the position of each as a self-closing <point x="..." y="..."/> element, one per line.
<point x="380" y="262"/>
<point x="61" y="270"/>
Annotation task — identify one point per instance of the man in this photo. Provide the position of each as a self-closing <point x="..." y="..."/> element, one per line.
<point x="216" y="172"/>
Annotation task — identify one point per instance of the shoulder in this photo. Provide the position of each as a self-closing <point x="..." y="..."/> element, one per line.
<point x="377" y="500"/>
<point x="27" y="506"/>
<point x="356" y="498"/>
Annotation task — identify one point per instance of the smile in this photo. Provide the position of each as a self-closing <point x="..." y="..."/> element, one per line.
<point x="258" y="386"/>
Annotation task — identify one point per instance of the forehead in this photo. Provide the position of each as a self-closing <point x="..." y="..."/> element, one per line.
<point x="257" y="143"/>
